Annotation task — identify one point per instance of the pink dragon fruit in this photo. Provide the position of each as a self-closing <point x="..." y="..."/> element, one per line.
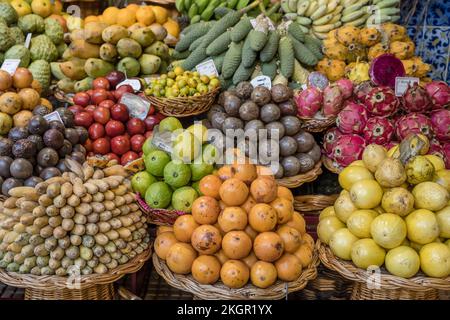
<point x="378" y="130"/>
<point x="332" y="100"/>
<point x="381" y="101"/>
<point x="362" y="90"/>
<point x="352" y="119"/>
<point x="439" y="93"/>
<point x="440" y="120"/>
<point x="436" y="148"/>
<point x="415" y="99"/>
<point x="309" y="101"/>
<point x="346" y="87"/>
<point x="391" y="144"/>
<point x="446" y="149"/>
<point x="329" y="139"/>
<point x="348" y="148"/>
<point x="413" y="123"/>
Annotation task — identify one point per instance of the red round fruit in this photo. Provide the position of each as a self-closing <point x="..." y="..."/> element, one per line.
<point x="135" y="126"/>
<point x="102" y="115"/>
<point x="120" y="145"/>
<point x="99" y="95"/>
<point x="83" y="119"/>
<point x="111" y="96"/>
<point x="90" y="109"/>
<point x="107" y="104"/>
<point x="114" y="128"/>
<point x="119" y="112"/>
<point x="96" y="131"/>
<point x="82" y="99"/>
<point x="76" y="108"/>
<point x="88" y="145"/>
<point x="90" y="92"/>
<point x="160" y="116"/>
<point x="128" y="157"/>
<point x="148" y="134"/>
<point x="151" y="111"/>
<point x="115" y="77"/>
<point x="100" y="83"/>
<point x="101" y="146"/>
<point x="122" y="90"/>
<point x="140" y="154"/>
<point x="151" y="122"/>
<point x="113" y="156"/>
<point x="137" y="141"/>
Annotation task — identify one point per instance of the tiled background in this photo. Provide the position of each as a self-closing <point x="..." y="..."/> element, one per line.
<point x="428" y="23"/>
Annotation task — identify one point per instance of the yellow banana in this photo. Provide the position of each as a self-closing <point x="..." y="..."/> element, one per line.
<point x="355" y="7"/>
<point x="324" y="20"/>
<point x="321" y="36"/>
<point x="304" y="21"/>
<point x="314" y="5"/>
<point x="336" y="18"/>
<point x="327" y="27"/>
<point x="358" y="22"/>
<point x="320" y="12"/>
<point x="322" y="2"/>
<point x="302" y="6"/>
<point x="332" y="5"/>
<point x="337" y="10"/>
<point x="292" y="4"/>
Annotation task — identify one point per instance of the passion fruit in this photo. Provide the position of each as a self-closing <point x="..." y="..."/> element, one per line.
<point x="360" y="221"/>
<point x="268" y="246"/>
<point x="366" y="253"/>
<point x="422" y="226"/>
<point x="21" y="169"/>
<point x="366" y="194"/>
<point x="373" y="155"/>
<point x="402" y="262"/>
<point x="289" y="267"/>
<point x="353" y="174"/>
<point x="263" y="274"/>
<point x="206" y="239"/>
<point x="398" y="201"/>
<point x="236" y="244"/>
<point x="344" y="207"/>
<point x="388" y="230"/>
<point x="419" y="169"/>
<point x="163" y="243"/>
<point x="327" y="227"/>
<point x="341" y="243"/>
<point x="435" y="260"/>
<point x="180" y="258"/>
<point x="430" y="195"/>
<point x="390" y="173"/>
<point x="234" y="274"/>
<point x="262" y="217"/>
<point x="206" y="269"/>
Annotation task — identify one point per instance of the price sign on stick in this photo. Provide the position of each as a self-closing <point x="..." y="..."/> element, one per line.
<point x="262" y="81"/>
<point x="10" y="65"/>
<point x="54" y="116"/>
<point x="207" y="68"/>
<point x="402" y="84"/>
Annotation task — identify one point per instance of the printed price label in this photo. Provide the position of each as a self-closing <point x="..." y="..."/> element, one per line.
<point x="137" y="106"/>
<point x="134" y="83"/>
<point x="262" y="81"/>
<point x="10" y="65"/>
<point x="207" y="68"/>
<point x="402" y="84"/>
<point x="28" y="40"/>
<point x="54" y="116"/>
<point x="269" y="22"/>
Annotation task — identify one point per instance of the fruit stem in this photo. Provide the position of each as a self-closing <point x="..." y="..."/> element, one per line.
<point x="250" y="6"/>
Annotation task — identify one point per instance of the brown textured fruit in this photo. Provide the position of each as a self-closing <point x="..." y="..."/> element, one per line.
<point x="206" y="239"/>
<point x="304" y="254"/>
<point x="183" y="227"/>
<point x="30" y="98"/>
<point x="233" y="192"/>
<point x="205" y="210"/>
<point x="262" y="217"/>
<point x="6" y="80"/>
<point x="264" y="190"/>
<point x="268" y="246"/>
<point x="250" y="260"/>
<point x="206" y="269"/>
<point x="236" y="244"/>
<point x="225" y="173"/>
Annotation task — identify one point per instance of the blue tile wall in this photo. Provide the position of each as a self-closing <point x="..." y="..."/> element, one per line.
<point x="429" y="27"/>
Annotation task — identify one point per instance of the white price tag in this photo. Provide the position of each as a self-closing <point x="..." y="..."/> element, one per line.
<point x="28" y="40"/>
<point x="304" y="87"/>
<point x="207" y="68"/>
<point x="137" y="106"/>
<point x="54" y="116"/>
<point x="134" y="83"/>
<point x="262" y="81"/>
<point x="269" y="22"/>
<point x="402" y="84"/>
<point x="10" y="65"/>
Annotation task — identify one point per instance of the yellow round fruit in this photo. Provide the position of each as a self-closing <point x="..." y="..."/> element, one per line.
<point x="145" y="15"/>
<point x="366" y="194"/>
<point x="110" y="15"/>
<point x="415" y="246"/>
<point x="327" y="227"/>
<point x="126" y="18"/>
<point x="388" y="230"/>
<point x="390" y="173"/>
<point x="366" y="253"/>
<point x="206" y="269"/>
<point x="419" y="169"/>
<point x="359" y="222"/>
<point x="435" y="260"/>
<point x="437" y="162"/>
<point x="443" y="219"/>
<point x="402" y="262"/>
<point x="430" y="195"/>
<point x="133" y="7"/>
<point x="398" y="200"/>
<point x="448" y="243"/>
<point x="422" y="226"/>
<point x="442" y="177"/>
<point x="161" y="14"/>
<point x="344" y="207"/>
<point x="341" y="243"/>
<point x="42" y="8"/>
<point x="263" y="274"/>
<point x="373" y="155"/>
<point x="357" y="163"/>
<point x="327" y="212"/>
<point x="22" y="7"/>
<point x="352" y="174"/>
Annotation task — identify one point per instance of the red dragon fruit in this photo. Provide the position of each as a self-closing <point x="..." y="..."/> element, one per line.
<point x="309" y="101"/>
<point x="332" y="100"/>
<point x="440" y="120"/>
<point x="415" y="99"/>
<point x="330" y="138"/>
<point x="362" y="90"/>
<point x="436" y="148"/>
<point x="391" y="144"/>
<point x="381" y="101"/>
<point x="348" y="148"/>
<point x="446" y="149"/>
<point x="413" y="123"/>
<point x="352" y="119"/>
<point x="378" y="130"/>
<point x="346" y="87"/>
<point x="439" y="93"/>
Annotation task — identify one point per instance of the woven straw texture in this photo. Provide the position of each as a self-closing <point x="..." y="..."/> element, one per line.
<point x="298" y="180"/>
<point x="313" y="202"/>
<point x="317" y="125"/>
<point x="160" y="217"/>
<point x="331" y="165"/>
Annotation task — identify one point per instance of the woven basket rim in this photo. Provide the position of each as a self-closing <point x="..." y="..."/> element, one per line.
<point x="317" y="125"/>
<point x="329" y="164"/>
<point x="220" y="292"/>
<point x="298" y="180"/>
<point x="314" y="202"/>
<point x="387" y="281"/>
<point x="51" y="283"/>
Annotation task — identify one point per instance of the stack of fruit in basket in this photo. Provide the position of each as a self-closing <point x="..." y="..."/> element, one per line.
<point x="394" y="210"/>
<point x="243" y="228"/>
<point x="112" y="131"/>
<point x="322" y="16"/>
<point x="85" y="222"/>
<point x="180" y="170"/>
<point x="35" y="150"/>
<point x="20" y="94"/>
<point x="348" y="48"/>
<point x="378" y="116"/>
<point x="252" y="109"/>
<point x="241" y="51"/>
<point x="180" y="83"/>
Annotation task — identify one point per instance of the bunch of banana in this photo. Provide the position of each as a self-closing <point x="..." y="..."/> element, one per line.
<point x="204" y="10"/>
<point x="369" y="12"/>
<point x="384" y="11"/>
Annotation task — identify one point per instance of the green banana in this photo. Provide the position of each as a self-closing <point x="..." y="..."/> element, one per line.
<point x="327" y="27"/>
<point x="292" y="4"/>
<point x="209" y="10"/>
<point x="285" y="6"/>
<point x="387" y="3"/>
<point x="179" y="4"/>
<point x="312" y="8"/>
<point x="303" y="21"/>
<point x="324" y="20"/>
<point x="242" y="4"/>
<point x="232" y="4"/>
<point x="388" y="11"/>
<point x="302" y="6"/>
<point x="195" y="19"/>
<point x="193" y="10"/>
<point x="202" y="4"/>
<point x="352" y="16"/>
<point x="320" y="12"/>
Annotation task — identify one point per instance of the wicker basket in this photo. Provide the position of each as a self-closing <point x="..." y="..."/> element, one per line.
<point x="219" y="291"/>
<point x="184" y="106"/>
<point x="160" y="217"/>
<point x="331" y="165"/>
<point x="388" y="286"/>
<point x="317" y="125"/>
<point x="298" y="180"/>
<point x="92" y="287"/>
<point x="313" y="202"/>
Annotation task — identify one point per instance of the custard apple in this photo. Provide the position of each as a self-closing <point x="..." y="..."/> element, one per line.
<point x="3" y="21"/>
<point x="40" y="69"/>
<point x="54" y="30"/>
<point x="62" y="47"/>
<point x="17" y="35"/>
<point x="19" y="52"/>
<point x="42" y="48"/>
<point x="31" y="23"/>
<point x="8" y="13"/>
<point x="6" y="40"/>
